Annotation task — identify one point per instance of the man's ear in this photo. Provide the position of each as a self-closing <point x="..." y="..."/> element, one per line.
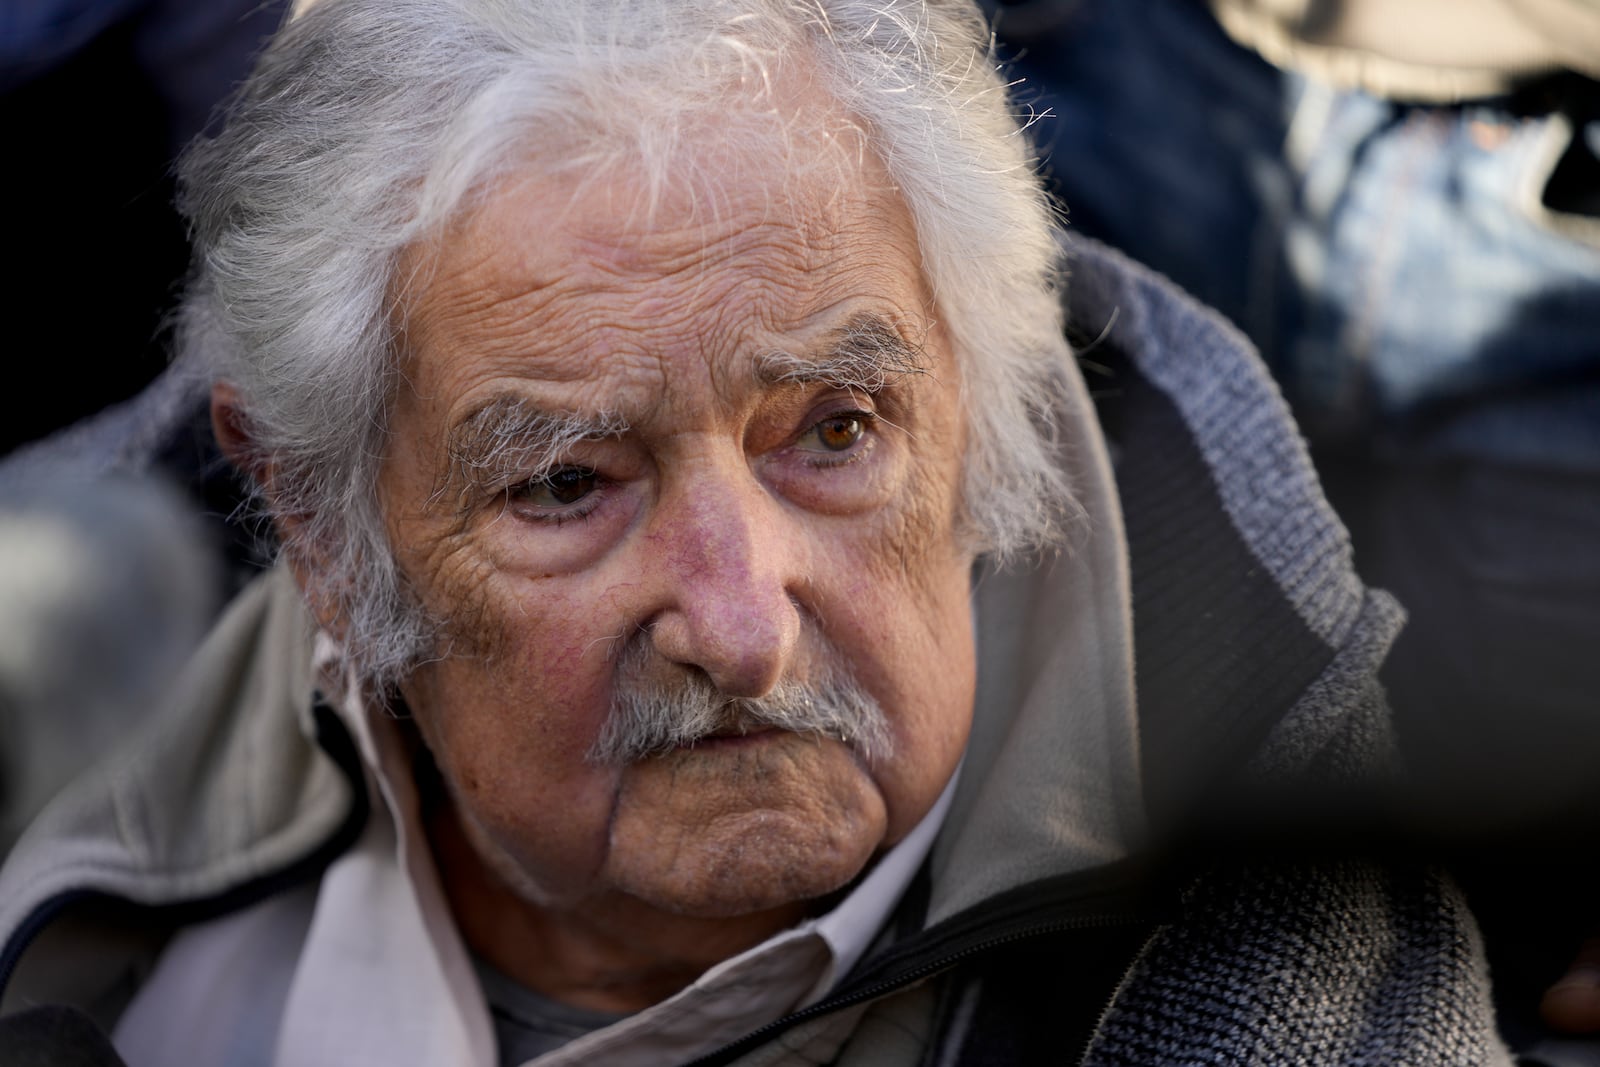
<point x="231" y="425"/>
<point x="231" y="428"/>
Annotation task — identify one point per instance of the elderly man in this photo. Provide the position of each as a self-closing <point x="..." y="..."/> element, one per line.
<point x="703" y="628"/>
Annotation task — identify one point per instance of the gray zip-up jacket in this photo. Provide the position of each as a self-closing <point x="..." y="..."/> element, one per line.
<point x="1207" y="583"/>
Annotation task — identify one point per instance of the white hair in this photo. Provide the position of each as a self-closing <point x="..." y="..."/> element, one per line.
<point x="368" y="124"/>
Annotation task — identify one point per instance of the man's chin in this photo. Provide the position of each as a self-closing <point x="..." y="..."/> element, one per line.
<point x="743" y="824"/>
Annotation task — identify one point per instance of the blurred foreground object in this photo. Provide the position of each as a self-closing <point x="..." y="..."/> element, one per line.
<point x="98" y="97"/>
<point x="105" y="588"/>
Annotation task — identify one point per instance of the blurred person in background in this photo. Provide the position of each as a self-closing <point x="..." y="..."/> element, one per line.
<point x="108" y="573"/>
<point x="98" y="97"/>
<point x="1399" y="202"/>
<point x="105" y="588"/>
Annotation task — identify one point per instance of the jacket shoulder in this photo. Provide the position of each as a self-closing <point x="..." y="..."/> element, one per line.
<point x="1257" y="647"/>
<point x="223" y="789"/>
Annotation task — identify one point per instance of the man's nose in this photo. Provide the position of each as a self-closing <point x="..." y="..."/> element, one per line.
<point x="733" y="569"/>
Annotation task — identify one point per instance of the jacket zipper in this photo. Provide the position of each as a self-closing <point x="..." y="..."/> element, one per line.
<point x="727" y="1053"/>
<point x="1116" y="994"/>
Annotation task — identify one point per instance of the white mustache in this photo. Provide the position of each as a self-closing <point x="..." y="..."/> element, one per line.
<point x="651" y="718"/>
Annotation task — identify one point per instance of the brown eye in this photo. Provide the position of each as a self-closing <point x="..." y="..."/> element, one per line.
<point x="560" y="488"/>
<point x="836" y="434"/>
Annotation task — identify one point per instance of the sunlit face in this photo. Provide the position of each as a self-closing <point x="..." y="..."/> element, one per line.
<point x="721" y="440"/>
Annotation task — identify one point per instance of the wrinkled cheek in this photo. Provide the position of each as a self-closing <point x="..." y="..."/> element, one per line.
<point x="908" y="638"/>
<point x="536" y="647"/>
<point x="510" y="730"/>
<point x="512" y="759"/>
<point x="934" y="742"/>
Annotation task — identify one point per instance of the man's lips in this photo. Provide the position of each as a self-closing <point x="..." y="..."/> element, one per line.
<point x="733" y="734"/>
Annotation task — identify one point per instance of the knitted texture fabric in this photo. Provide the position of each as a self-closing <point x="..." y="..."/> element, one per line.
<point x="1307" y="964"/>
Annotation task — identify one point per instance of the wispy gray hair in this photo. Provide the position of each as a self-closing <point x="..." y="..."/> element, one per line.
<point x="368" y="124"/>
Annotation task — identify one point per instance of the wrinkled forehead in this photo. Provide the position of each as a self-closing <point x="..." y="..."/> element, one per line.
<point x="782" y="171"/>
<point x="736" y="250"/>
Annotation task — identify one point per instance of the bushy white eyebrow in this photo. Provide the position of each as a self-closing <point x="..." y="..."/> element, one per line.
<point x="867" y="353"/>
<point x="510" y="439"/>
